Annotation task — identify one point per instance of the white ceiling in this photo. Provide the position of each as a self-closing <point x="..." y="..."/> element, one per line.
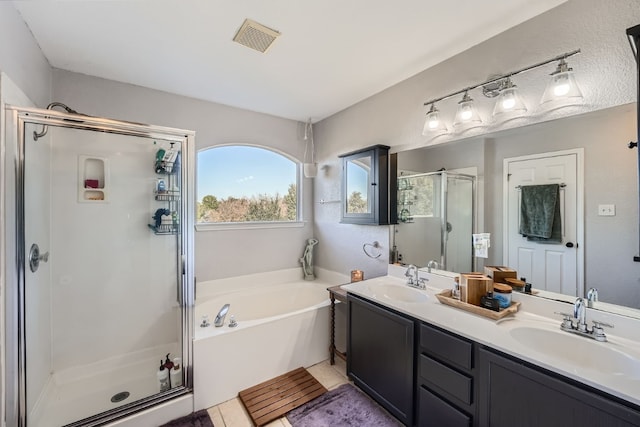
<point x="330" y="55"/>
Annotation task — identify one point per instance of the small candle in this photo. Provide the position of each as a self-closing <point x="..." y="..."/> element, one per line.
<point x="357" y="275"/>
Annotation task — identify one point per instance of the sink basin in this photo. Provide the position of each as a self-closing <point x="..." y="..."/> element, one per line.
<point x="397" y="293"/>
<point x="579" y="352"/>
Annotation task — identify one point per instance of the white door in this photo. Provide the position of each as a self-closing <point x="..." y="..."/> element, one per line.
<point x="551" y="267"/>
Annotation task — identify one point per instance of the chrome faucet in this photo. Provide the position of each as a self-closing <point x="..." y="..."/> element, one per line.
<point x="413" y="277"/>
<point x="411" y="273"/>
<point x="220" y="317"/>
<point x="580" y="313"/>
<point x="432" y="264"/>
<point x="592" y="296"/>
<point x="580" y="327"/>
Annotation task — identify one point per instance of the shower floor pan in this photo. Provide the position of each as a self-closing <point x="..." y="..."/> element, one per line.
<point x="65" y="402"/>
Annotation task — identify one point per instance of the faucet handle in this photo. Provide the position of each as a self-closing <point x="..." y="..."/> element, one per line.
<point x="566" y="321"/>
<point x="598" y="332"/>
<point x="599" y="324"/>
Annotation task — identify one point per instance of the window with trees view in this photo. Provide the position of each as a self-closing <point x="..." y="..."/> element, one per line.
<point x="239" y="183"/>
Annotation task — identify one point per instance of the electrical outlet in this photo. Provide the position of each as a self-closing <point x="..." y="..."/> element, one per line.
<point x="606" y="210"/>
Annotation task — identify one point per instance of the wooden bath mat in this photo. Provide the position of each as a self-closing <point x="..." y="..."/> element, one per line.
<point x="272" y="399"/>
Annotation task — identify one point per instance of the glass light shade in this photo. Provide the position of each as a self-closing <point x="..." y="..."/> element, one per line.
<point x="433" y="124"/>
<point x="509" y="103"/>
<point x="467" y="115"/>
<point x="310" y="170"/>
<point x="562" y="89"/>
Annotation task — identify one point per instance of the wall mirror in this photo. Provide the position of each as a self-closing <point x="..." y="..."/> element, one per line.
<point x="610" y="176"/>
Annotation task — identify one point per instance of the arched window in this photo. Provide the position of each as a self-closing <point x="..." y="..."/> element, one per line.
<point x="246" y="184"/>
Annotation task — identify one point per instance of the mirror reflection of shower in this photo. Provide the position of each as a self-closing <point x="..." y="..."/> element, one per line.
<point x="436" y="214"/>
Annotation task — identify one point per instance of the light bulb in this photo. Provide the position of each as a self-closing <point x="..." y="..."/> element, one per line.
<point x="508" y="102"/>
<point x="562" y="85"/>
<point x="466" y="112"/>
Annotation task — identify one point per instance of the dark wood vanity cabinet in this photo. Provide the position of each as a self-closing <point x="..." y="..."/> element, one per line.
<point x="380" y="355"/>
<point x="512" y="392"/>
<point x="427" y="376"/>
<point x="445" y="386"/>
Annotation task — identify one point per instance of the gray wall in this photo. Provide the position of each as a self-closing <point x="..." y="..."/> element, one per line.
<point x="606" y="73"/>
<point x="21" y="58"/>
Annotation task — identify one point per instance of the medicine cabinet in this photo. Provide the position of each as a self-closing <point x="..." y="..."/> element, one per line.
<point x="367" y="191"/>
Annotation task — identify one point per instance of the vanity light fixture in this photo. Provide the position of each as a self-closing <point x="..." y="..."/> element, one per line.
<point x="433" y="125"/>
<point x="563" y="90"/>
<point x="467" y="115"/>
<point x="509" y="101"/>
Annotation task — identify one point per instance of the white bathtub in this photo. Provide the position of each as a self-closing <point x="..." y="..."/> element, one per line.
<point x="283" y="323"/>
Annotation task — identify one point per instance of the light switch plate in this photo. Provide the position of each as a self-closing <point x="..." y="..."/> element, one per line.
<point x="606" y="210"/>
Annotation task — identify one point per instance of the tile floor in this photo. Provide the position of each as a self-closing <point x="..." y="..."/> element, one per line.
<point x="232" y="413"/>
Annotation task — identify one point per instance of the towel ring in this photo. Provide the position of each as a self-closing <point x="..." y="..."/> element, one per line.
<point x="374" y="245"/>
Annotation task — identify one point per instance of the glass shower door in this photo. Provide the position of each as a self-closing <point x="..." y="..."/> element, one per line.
<point x="459" y="223"/>
<point x="104" y="280"/>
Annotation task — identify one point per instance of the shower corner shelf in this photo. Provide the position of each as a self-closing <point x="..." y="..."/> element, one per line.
<point x="165" y="230"/>
<point x="167" y="196"/>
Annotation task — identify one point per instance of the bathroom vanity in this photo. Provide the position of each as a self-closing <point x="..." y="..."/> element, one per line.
<point x="433" y="365"/>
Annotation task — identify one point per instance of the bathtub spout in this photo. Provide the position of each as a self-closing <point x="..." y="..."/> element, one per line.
<point x="220" y="317"/>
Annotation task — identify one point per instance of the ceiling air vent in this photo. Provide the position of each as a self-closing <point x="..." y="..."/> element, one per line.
<point x="256" y="36"/>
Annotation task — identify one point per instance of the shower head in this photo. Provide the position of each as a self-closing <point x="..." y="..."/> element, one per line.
<point x="45" y="128"/>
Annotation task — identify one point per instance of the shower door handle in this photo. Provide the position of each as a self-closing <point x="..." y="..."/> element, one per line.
<point x="35" y="257"/>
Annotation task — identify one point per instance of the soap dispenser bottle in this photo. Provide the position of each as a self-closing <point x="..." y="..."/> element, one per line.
<point x="163" y="378"/>
<point x="168" y="365"/>
<point x="455" y="291"/>
<point x="176" y="373"/>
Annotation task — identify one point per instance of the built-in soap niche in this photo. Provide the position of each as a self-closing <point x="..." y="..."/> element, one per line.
<point x="93" y="179"/>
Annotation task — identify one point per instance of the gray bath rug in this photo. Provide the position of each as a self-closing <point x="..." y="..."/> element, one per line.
<point x="197" y="419"/>
<point x="342" y="406"/>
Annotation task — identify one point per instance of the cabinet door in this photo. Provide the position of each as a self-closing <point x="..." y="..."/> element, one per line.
<point x="435" y="412"/>
<point x="380" y="356"/>
<point x="513" y="393"/>
<point x="366" y="186"/>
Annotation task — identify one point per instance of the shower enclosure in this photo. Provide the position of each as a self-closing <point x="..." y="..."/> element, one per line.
<point x="103" y="288"/>
<point x="436" y="220"/>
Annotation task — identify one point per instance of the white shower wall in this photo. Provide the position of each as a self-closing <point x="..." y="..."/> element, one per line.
<point x="113" y="280"/>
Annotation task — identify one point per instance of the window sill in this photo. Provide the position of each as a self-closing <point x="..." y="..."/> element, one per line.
<point x="248" y="225"/>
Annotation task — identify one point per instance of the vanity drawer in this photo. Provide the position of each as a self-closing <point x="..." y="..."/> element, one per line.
<point x="448" y="348"/>
<point x="442" y="378"/>
<point x="433" y="411"/>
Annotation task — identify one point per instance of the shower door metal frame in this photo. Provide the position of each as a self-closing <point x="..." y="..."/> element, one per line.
<point x="15" y="380"/>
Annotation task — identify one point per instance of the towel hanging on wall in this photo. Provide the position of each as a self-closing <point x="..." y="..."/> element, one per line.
<point x="540" y="219"/>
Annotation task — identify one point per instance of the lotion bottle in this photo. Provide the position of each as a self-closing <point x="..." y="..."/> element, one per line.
<point x="163" y="378"/>
<point x="176" y="373"/>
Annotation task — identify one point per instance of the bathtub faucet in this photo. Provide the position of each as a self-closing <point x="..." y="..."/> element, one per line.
<point x="220" y="317"/>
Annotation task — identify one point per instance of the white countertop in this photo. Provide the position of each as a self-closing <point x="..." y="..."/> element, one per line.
<point x="534" y="312"/>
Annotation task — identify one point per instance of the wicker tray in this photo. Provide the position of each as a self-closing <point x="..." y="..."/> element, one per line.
<point x="445" y="298"/>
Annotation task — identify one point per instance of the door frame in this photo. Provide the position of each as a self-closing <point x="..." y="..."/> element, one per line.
<point x="579" y="153"/>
